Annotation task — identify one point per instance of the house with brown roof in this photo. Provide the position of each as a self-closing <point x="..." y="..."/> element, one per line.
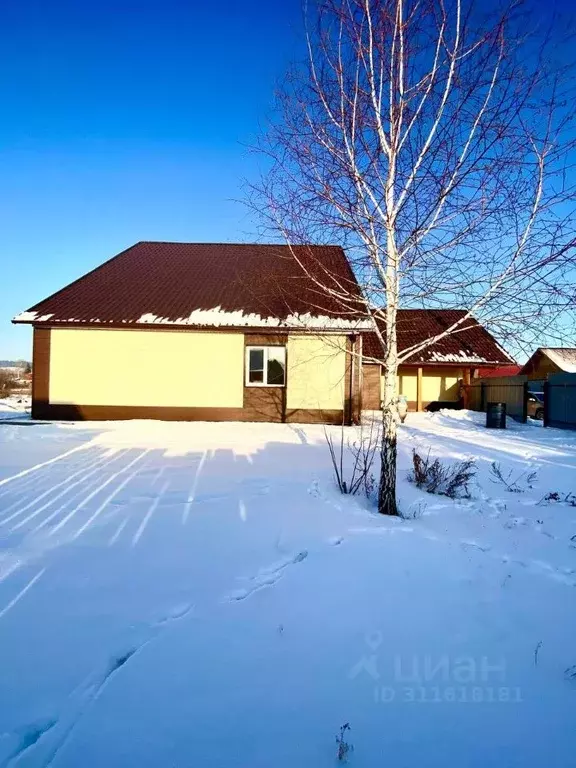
<point x="250" y="333"/>
<point x="432" y="376"/>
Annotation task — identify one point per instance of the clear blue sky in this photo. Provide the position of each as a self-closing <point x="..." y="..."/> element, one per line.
<point x="125" y="121"/>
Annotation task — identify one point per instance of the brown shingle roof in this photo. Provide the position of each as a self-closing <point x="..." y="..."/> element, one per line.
<point x="472" y="345"/>
<point x="164" y="283"/>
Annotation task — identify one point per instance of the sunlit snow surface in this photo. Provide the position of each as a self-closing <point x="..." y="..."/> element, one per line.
<point x="199" y="594"/>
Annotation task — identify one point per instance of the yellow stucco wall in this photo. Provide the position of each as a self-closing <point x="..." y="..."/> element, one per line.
<point x="407" y="383"/>
<point x="316" y="372"/>
<point x="146" y="368"/>
<point x="438" y="383"/>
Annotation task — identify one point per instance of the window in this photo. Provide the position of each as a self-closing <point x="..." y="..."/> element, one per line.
<point x="265" y="366"/>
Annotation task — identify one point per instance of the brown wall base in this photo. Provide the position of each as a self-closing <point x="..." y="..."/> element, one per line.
<point x="301" y="416"/>
<point x="263" y="404"/>
<point x="43" y="410"/>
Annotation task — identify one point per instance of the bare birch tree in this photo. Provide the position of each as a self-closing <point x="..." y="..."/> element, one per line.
<point x="432" y="139"/>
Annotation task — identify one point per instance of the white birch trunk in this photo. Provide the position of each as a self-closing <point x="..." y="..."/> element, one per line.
<point x="388" y="448"/>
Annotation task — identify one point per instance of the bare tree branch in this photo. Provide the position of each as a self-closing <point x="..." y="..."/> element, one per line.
<point x="433" y="140"/>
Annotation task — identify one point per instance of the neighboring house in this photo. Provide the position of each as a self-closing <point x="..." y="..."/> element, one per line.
<point x="550" y="360"/>
<point x="246" y="332"/>
<point x="434" y="375"/>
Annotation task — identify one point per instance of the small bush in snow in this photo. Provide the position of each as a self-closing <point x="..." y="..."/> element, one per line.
<point x="344" y="748"/>
<point x="450" y="480"/>
<point x="362" y="452"/>
<point x="514" y="485"/>
<point x="7" y="383"/>
<point x="554" y="496"/>
<point x="370" y="485"/>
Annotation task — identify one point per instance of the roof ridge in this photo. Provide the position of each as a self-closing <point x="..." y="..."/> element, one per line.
<point x="235" y="244"/>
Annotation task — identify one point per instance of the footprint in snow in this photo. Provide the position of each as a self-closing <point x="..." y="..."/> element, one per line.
<point x="498" y="506"/>
<point x="515" y="522"/>
<point x="267" y="576"/>
<point x="546" y="533"/>
<point x="509" y="559"/>
<point x="52" y="733"/>
<point x="175" y="613"/>
<point x="28" y="736"/>
<point x="475" y="545"/>
<point x="314" y="489"/>
<point x="258" y="583"/>
<point x="335" y="541"/>
<point x="281" y="564"/>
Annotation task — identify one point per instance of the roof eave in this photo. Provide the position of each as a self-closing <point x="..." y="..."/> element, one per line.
<point x="55" y="324"/>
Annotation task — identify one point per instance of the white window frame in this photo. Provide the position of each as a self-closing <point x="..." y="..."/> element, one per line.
<point x="265" y="350"/>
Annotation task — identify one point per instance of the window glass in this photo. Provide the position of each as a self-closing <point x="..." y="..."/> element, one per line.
<point x="276" y="365"/>
<point x="266" y="366"/>
<point x="256" y="359"/>
<point x="256" y="366"/>
<point x="256" y="377"/>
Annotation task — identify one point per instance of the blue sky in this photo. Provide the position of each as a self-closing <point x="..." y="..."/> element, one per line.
<point x="125" y="121"/>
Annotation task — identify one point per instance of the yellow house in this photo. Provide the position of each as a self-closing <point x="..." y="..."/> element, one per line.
<point x="223" y="332"/>
<point x="199" y="332"/>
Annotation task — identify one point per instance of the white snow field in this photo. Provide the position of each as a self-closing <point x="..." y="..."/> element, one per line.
<point x="200" y="595"/>
<point x="15" y="407"/>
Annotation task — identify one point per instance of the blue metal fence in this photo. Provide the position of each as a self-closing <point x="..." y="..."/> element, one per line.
<point x="560" y="401"/>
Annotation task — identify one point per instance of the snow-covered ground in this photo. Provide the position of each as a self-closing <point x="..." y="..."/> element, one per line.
<point x="15" y="407"/>
<point x="199" y="594"/>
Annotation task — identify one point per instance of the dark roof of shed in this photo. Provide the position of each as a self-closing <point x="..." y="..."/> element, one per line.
<point x="472" y="345"/>
<point x="163" y="283"/>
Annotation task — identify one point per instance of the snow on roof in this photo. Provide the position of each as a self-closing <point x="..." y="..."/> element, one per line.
<point x="456" y="357"/>
<point x="32" y="317"/>
<point x="470" y="344"/>
<point x="219" y="317"/>
<point x="563" y="357"/>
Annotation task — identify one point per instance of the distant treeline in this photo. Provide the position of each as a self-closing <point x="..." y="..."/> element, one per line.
<point x="14" y="363"/>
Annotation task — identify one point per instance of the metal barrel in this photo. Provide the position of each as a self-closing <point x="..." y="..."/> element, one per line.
<point x="496" y="415"/>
